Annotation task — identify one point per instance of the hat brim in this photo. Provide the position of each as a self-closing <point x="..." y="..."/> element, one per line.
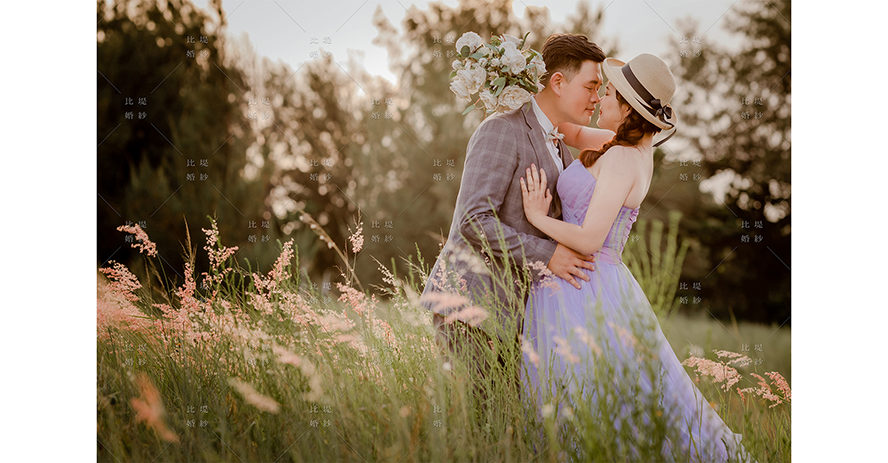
<point x="612" y="69"/>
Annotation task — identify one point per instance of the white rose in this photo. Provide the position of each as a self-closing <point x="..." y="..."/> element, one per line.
<point x="457" y="65"/>
<point x="513" y="58"/>
<point x="458" y="86"/>
<point x="495" y="62"/>
<point x="513" y="97"/>
<point x="482" y="62"/>
<point x="470" y="39"/>
<point x="488" y="99"/>
<point x="473" y="78"/>
<point x="506" y="38"/>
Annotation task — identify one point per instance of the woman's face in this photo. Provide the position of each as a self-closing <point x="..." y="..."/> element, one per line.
<point x="611" y="112"/>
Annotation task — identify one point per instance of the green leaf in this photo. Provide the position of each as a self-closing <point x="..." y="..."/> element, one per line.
<point x="499" y="81"/>
<point x="468" y="110"/>
<point x="476" y="55"/>
<point x="524" y="40"/>
<point x="464" y="51"/>
<point x="497" y="50"/>
<point x="529" y="86"/>
<point x="453" y="74"/>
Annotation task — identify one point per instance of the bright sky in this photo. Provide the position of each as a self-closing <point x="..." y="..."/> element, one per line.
<point x="283" y="29"/>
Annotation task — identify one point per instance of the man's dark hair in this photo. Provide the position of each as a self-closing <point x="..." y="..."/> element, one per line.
<point x="565" y="53"/>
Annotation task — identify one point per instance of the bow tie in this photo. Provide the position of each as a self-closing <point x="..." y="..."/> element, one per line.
<point x="553" y="134"/>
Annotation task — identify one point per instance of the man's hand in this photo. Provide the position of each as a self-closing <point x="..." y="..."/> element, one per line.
<point x="566" y="263"/>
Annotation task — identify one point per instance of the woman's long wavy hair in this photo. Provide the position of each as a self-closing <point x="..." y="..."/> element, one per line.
<point x="631" y="131"/>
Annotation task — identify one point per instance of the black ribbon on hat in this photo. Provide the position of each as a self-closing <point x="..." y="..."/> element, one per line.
<point x="655" y="103"/>
<point x="656" y="109"/>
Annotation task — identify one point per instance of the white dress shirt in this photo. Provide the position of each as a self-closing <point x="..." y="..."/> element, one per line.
<point x="546" y="126"/>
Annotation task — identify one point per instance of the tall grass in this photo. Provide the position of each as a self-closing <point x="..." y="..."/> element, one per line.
<point x="657" y="270"/>
<point x="258" y="367"/>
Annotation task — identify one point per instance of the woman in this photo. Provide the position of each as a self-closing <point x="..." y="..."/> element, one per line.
<point x="609" y="319"/>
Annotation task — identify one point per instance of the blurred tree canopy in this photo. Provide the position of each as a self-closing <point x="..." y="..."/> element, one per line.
<point x="342" y="145"/>
<point x="178" y="97"/>
<point x="172" y="133"/>
<point x="735" y="112"/>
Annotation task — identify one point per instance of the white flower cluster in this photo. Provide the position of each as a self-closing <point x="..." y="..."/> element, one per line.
<point x="502" y="74"/>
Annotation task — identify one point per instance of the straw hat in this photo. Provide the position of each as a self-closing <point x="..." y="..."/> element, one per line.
<point x="647" y="84"/>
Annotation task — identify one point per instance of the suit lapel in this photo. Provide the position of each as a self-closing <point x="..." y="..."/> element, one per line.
<point x="543" y="158"/>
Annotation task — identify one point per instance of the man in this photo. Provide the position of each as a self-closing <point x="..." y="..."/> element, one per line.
<point x="489" y="204"/>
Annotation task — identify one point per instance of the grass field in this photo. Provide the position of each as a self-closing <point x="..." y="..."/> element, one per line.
<point x="263" y="368"/>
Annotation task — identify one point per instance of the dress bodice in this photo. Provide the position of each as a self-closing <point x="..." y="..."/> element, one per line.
<point x="575" y="187"/>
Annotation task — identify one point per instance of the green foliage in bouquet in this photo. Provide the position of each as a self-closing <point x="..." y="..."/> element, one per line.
<point x="502" y="72"/>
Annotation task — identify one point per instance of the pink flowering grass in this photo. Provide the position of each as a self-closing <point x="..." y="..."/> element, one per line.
<point x="765" y="391"/>
<point x="150" y="410"/>
<point x="726" y="376"/>
<point x="142" y="242"/>
<point x="263" y="363"/>
<point x="720" y="372"/>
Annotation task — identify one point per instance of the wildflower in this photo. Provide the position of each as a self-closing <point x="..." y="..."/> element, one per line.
<point x="355" y="299"/>
<point x="383" y="330"/>
<point x="444" y="280"/>
<point x="285" y="356"/>
<point x="472" y="315"/>
<point x="778" y="379"/>
<point x="331" y="322"/>
<point x="308" y="369"/>
<point x="123" y="282"/>
<point x="143" y="243"/>
<point x="186" y="292"/>
<point x="720" y="372"/>
<point x="765" y="391"/>
<point x="547" y="278"/>
<point x="347" y="338"/>
<point x="279" y="272"/>
<point x="114" y="302"/>
<point x="253" y="397"/>
<point x="563" y="349"/>
<point x="444" y="302"/>
<point x="149" y="408"/>
<point x="739" y="359"/>
<point x="218" y="255"/>
<point x="624" y="334"/>
<point x="548" y="410"/>
<point x="357" y="239"/>
<point x="531" y="354"/>
<point x="586" y="338"/>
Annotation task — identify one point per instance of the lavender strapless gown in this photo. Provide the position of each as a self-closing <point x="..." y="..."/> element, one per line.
<point x="607" y="307"/>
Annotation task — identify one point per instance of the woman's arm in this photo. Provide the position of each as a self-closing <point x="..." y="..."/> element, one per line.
<point x="583" y="138"/>
<point x="610" y="193"/>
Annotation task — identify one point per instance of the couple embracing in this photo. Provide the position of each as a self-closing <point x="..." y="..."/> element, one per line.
<point x="528" y="203"/>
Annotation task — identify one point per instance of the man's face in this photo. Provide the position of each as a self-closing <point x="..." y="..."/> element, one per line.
<point x="580" y="95"/>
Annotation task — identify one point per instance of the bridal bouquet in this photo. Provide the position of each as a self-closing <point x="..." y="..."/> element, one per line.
<point x="503" y="73"/>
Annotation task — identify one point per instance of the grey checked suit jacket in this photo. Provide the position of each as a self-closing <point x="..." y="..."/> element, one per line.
<point x="498" y="154"/>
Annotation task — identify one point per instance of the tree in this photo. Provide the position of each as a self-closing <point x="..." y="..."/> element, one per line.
<point x="173" y="132"/>
<point x="735" y="109"/>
